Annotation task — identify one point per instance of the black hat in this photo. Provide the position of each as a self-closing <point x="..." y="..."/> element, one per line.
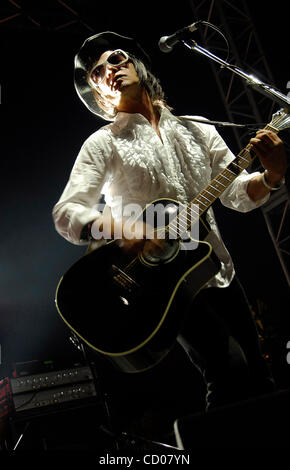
<point x="88" y="55"/>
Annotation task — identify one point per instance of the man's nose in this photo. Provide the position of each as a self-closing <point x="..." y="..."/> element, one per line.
<point x="111" y="70"/>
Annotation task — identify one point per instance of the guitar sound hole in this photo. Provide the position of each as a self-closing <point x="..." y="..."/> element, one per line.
<point x="155" y="255"/>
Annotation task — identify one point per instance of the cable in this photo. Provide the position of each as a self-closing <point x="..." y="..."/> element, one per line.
<point x="251" y="126"/>
<point x="21" y="436"/>
<point x="28" y="401"/>
<point x="210" y="25"/>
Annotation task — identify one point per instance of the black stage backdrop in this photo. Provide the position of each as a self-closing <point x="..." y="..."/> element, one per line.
<point x="42" y="128"/>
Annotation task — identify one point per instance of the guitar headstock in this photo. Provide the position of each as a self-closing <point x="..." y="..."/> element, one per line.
<point x="281" y="119"/>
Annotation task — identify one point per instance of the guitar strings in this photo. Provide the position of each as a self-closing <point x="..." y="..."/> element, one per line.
<point x="183" y="216"/>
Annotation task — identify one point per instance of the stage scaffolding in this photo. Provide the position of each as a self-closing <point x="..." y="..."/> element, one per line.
<point x="242" y="104"/>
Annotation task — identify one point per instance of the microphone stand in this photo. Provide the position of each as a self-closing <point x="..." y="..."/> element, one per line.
<point x="251" y="80"/>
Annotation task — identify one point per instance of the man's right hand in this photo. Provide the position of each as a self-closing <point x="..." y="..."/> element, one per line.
<point x="131" y="237"/>
<point x="141" y="237"/>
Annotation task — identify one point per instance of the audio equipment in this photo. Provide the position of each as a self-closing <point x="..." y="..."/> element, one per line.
<point x="59" y="395"/>
<point x="50" y="379"/>
<point x="52" y="389"/>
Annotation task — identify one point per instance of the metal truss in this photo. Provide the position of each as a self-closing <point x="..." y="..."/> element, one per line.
<point x="242" y="104"/>
<point x="52" y="15"/>
<point x="277" y="216"/>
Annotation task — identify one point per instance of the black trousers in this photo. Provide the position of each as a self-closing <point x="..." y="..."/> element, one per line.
<point x="221" y="340"/>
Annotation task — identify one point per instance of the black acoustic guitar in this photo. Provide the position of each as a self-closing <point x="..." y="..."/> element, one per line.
<point x="130" y="307"/>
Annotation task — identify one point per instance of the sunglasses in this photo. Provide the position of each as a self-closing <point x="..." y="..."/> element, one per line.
<point x="116" y="58"/>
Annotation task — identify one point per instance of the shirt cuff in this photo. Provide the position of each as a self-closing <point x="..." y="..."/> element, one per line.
<point x="236" y="196"/>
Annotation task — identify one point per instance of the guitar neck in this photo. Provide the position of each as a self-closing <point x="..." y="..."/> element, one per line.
<point x="214" y="189"/>
<point x="221" y="182"/>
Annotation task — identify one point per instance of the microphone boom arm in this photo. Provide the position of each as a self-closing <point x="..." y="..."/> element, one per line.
<point x="251" y="80"/>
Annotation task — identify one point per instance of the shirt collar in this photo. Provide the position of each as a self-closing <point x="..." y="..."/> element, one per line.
<point x="125" y="121"/>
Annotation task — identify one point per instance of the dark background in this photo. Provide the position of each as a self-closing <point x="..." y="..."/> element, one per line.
<point x="43" y="126"/>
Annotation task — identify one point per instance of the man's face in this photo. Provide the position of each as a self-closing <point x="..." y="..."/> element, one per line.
<point x="116" y="79"/>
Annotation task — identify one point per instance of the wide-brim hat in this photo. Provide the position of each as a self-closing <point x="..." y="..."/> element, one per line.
<point x="88" y="55"/>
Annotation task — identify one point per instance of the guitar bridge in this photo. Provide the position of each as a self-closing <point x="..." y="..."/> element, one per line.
<point x="123" y="280"/>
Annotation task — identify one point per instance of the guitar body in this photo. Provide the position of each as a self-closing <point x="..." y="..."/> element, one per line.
<point x="131" y="308"/>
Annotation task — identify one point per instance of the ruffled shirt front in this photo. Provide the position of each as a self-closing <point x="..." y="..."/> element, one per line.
<point x="130" y="164"/>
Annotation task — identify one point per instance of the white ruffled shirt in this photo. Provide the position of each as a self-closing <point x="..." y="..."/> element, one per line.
<point x="127" y="158"/>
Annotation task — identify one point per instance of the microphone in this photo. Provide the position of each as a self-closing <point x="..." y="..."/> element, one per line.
<point x="166" y="43"/>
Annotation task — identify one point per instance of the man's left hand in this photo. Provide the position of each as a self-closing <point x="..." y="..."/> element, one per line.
<point x="270" y="150"/>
